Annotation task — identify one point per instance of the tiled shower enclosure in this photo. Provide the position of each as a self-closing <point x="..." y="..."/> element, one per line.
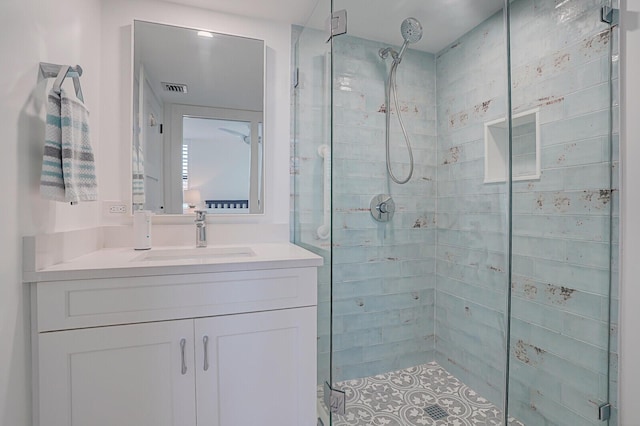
<point x="507" y="282"/>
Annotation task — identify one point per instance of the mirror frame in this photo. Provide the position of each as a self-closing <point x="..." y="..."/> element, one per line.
<point x="259" y="164"/>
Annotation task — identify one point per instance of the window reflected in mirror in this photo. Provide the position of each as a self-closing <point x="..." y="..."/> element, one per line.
<point x="211" y="181"/>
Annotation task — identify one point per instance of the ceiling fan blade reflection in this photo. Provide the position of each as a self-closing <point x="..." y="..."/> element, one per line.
<point x="245" y="138"/>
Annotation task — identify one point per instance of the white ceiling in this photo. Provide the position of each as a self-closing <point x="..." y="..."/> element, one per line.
<point x="177" y="55"/>
<point x="443" y="20"/>
<point x="290" y="11"/>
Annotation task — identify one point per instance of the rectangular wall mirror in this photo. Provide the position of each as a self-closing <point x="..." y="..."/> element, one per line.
<point x="198" y="114"/>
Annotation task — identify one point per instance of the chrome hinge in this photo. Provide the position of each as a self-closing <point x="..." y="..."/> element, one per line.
<point x="604" y="412"/>
<point x="337" y="23"/>
<point x="610" y="15"/>
<point x="334" y="399"/>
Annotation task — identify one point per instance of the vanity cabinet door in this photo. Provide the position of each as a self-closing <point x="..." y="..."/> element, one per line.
<point x="257" y="368"/>
<point x="129" y="375"/>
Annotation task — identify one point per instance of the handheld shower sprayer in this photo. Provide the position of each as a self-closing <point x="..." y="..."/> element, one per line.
<point x="411" y="31"/>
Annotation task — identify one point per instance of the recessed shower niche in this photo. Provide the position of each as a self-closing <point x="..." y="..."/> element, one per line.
<point x="526" y="148"/>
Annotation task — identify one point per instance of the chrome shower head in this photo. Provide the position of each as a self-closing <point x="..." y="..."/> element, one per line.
<point x="411" y="30"/>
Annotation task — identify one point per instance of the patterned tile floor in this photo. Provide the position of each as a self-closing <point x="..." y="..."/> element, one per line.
<point x="399" y="398"/>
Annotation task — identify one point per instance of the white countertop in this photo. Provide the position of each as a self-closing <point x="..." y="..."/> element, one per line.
<point x="127" y="262"/>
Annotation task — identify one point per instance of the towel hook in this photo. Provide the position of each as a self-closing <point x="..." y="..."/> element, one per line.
<point x="76" y="86"/>
<point x="63" y="72"/>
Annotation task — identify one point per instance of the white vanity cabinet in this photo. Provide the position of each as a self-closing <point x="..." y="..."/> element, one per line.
<point x="258" y="369"/>
<point x="120" y="375"/>
<point x="215" y="349"/>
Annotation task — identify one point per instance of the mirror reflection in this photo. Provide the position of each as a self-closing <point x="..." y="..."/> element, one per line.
<point x="198" y="121"/>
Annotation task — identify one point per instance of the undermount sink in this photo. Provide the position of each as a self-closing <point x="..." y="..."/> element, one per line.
<point x="195" y="253"/>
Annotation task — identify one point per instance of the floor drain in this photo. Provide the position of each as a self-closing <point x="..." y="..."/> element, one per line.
<point x="436" y="412"/>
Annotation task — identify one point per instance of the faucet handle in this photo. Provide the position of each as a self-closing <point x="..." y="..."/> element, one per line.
<point x="201" y="215"/>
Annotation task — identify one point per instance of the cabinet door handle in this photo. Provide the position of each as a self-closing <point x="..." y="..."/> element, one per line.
<point x="205" y="342"/>
<point x="183" y="344"/>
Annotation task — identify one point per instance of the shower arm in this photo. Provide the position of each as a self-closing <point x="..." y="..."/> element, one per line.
<point x="397" y="57"/>
<point x="384" y="53"/>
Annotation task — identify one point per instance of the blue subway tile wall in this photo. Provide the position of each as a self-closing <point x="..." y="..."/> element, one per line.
<point x="472" y="263"/>
<point x="383" y="273"/>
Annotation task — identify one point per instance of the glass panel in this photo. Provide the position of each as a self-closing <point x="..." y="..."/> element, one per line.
<point x="559" y="340"/>
<point x="614" y="295"/>
<point x="418" y="301"/>
<point x="311" y="170"/>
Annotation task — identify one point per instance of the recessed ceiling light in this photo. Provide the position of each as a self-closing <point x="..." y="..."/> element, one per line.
<point x="205" y="34"/>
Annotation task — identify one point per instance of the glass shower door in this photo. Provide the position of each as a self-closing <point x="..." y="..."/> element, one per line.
<point x="419" y="300"/>
<point x="311" y="173"/>
<point x="562" y="218"/>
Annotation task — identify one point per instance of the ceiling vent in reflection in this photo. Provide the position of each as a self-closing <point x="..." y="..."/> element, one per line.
<point x="174" y="87"/>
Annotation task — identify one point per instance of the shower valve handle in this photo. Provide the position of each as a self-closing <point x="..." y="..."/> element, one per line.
<point x="382" y="207"/>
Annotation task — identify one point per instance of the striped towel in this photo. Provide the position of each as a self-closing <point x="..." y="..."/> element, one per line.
<point x="68" y="149"/>
<point x="51" y="179"/>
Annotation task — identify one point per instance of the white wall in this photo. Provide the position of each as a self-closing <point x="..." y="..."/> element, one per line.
<point x="70" y="32"/>
<point x="630" y="211"/>
<point x="117" y="20"/>
<point x="43" y="31"/>
<point x="33" y="31"/>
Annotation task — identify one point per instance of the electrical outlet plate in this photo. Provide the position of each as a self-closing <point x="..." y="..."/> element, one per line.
<point x="114" y="207"/>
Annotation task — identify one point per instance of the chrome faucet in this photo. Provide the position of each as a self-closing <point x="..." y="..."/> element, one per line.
<point x="201" y="228"/>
